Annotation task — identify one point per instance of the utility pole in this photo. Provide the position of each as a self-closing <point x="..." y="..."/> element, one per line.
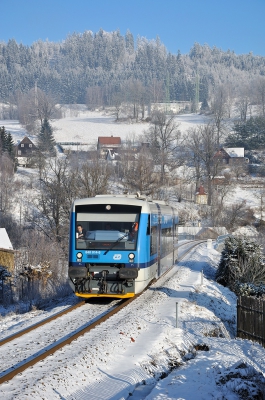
<point x="167" y="94"/>
<point x="197" y="92"/>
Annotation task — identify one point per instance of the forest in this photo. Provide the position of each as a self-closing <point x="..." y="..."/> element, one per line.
<point x="100" y="68"/>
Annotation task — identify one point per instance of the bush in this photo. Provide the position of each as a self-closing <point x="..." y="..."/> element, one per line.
<point x="242" y="262"/>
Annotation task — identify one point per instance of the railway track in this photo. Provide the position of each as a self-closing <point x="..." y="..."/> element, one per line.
<point x="41" y="350"/>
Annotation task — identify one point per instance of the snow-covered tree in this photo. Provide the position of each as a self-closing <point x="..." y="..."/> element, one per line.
<point x="46" y="141"/>
<point x="242" y="261"/>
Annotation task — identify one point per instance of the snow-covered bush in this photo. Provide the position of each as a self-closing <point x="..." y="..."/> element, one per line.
<point x="241" y="262"/>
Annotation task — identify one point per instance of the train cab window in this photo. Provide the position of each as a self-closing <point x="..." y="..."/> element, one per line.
<point x="106" y="231"/>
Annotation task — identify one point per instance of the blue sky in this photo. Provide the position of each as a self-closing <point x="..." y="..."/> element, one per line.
<point x="238" y="25"/>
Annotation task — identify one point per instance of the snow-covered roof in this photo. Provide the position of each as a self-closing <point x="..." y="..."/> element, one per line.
<point x="235" y="151"/>
<point x="194" y="230"/>
<point x="249" y="231"/>
<point x="4" y="240"/>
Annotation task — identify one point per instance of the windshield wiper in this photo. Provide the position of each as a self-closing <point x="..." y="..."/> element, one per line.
<point x="117" y="241"/>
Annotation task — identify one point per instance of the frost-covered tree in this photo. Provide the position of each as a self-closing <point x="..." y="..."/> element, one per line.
<point x="46" y="141"/>
<point x="242" y="261"/>
<point x="163" y="136"/>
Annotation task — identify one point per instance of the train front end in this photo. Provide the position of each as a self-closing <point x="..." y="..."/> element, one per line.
<point x="103" y="255"/>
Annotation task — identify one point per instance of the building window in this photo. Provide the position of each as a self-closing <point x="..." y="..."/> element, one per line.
<point x="30" y="145"/>
<point x="19" y="152"/>
<point x="22" y="145"/>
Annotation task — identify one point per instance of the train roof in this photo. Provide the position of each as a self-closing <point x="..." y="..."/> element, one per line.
<point x="130" y="199"/>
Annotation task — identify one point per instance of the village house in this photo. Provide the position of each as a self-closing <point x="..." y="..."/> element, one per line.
<point x="230" y="157"/>
<point x="6" y="251"/>
<point x="25" y="151"/>
<point x="108" y="145"/>
<point x="201" y="196"/>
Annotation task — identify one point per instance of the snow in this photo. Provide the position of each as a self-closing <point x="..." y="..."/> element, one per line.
<point x="86" y="126"/>
<point x="4" y="240"/>
<point x="139" y="353"/>
<point x="247" y="231"/>
<point x="143" y="352"/>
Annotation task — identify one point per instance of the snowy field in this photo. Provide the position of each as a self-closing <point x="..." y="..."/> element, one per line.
<point x="140" y="353"/>
<point x="86" y="126"/>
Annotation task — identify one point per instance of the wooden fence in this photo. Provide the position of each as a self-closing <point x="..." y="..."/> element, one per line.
<point x="251" y="319"/>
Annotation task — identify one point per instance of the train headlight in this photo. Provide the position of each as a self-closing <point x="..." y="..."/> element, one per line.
<point x="79" y="256"/>
<point x="131" y="257"/>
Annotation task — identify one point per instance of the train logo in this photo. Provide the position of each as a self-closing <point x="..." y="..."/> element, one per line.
<point x="117" y="257"/>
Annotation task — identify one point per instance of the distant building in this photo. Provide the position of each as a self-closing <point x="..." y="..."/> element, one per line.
<point x="230" y="156"/>
<point x="108" y="145"/>
<point x="197" y="232"/>
<point x="6" y="251"/>
<point x="201" y="197"/>
<point x="25" y="151"/>
<point x="174" y="107"/>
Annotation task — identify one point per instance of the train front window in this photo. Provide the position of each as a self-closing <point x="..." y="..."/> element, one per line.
<point x="104" y="231"/>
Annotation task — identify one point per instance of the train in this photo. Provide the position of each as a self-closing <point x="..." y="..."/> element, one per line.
<point x="119" y="244"/>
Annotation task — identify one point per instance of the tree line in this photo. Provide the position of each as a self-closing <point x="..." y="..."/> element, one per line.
<point x="96" y="68"/>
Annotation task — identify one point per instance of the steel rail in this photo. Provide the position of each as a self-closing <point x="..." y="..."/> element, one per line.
<point x="38" y="324"/>
<point x="13" y="371"/>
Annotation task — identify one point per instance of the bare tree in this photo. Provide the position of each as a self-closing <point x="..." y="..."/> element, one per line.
<point x="117" y="100"/>
<point x="163" y="136"/>
<point x="218" y="109"/>
<point x="53" y="209"/>
<point x="238" y="215"/>
<point x="6" y="182"/>
<point x="202" y="142"/>
<point x="140" y="175"/>
<point x="94" y="97"/>
<point x="244" y="101"/>
<point x="260" y="94"/>
<point x="156" y="91"/>
<point x="93" y="177"/>
<point x="34" y="107"/>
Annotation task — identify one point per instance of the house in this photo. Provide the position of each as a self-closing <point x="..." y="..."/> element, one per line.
<point x="25" y="151"/>
<point x="6" y="251"/>
<point x="108" y="144"/>
<point x="230" y="157"/>
<point x="201" y="196"/>
<point x="197" y="232"/>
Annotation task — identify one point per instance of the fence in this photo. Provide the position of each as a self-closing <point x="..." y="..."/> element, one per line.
<point x="251" y="319"/>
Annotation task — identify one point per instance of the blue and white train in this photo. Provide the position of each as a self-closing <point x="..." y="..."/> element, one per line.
<point x="121" y="244"/>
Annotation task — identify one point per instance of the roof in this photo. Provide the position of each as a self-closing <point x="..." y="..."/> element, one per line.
<point x="235" y="151"/>
<point x="26" y="140"/>
<point x="194" y="230"/>
<point x="201" y="191"/>
<point x="109" y="140"/>
<point x="4" y="240"/>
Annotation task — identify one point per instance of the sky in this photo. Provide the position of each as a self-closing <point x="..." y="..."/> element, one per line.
<point x="236" y="25"/>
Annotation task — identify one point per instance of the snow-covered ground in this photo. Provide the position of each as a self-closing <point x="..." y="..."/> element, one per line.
<point x="86" y="126"/>
<point x="127" y="357"/>
<point x="145" y="352"/>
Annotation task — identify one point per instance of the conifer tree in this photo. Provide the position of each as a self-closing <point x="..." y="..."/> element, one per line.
<point x="46" y="141"/>
<point x="242" y="261"/>
<point x="6" y="142"/>
<point x="3" y="139"/>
